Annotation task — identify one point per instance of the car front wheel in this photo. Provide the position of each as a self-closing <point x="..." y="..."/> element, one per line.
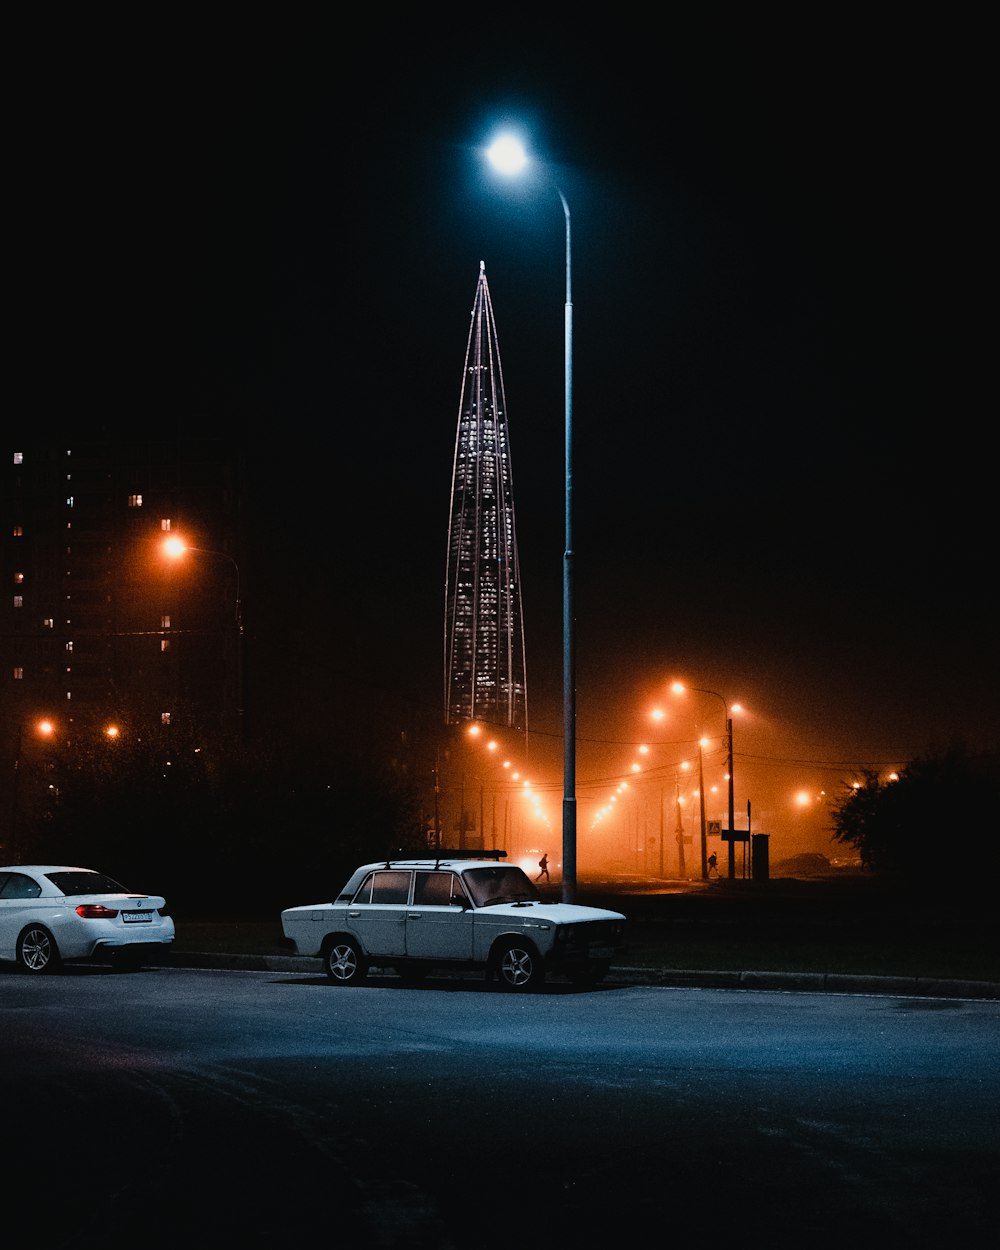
<point x="345" y="962"/>
<point x="518" y="967"/>
<point x="37" y="951"/>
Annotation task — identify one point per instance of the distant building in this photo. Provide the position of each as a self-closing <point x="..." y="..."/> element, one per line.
<point x="99" y="631"/>
<point x="484" y="659"/>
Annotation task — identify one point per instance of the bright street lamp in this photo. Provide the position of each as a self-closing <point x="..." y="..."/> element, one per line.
<point x="508" y="156"/>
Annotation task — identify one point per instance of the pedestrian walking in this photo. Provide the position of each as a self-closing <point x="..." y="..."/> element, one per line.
<point x="713" y="864"/>
<point x="543" y="865"/>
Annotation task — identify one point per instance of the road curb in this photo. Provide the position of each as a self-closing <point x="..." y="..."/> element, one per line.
<point x="804" y="982"/>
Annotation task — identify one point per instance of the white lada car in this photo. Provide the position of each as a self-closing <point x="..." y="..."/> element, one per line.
<point x="416" y="914"/>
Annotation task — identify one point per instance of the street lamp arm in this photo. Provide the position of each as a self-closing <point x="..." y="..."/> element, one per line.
<point x="715" y="693"/>
<point x="569" y="259"/>
<point x="176" y="547"/>
<point x="211" y="551"/>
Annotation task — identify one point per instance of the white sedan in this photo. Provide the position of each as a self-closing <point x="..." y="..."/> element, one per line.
<point x="414" y="915"/>
<point x="51" y="913"/>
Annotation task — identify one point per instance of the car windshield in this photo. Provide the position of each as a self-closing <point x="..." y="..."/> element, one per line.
<point x="73" y="883"/>
<point x="499" y="885"/>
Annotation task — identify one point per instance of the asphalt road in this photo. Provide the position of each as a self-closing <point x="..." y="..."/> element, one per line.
<point x="175" y="1107"/>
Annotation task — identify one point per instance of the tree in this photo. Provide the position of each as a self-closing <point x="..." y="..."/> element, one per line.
<point x="927" y="822"/>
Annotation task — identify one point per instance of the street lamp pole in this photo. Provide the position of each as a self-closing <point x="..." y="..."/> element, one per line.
<point x="569" y="642"/>
<point x="507" y="155"/>
<point x="732" y="811"/>
<point x="701" y="812"/>
<point x="176" y="547"/>
<point x="679" y="688"/>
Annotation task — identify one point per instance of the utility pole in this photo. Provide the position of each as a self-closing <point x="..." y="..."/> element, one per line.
<point x="701" y="806"/>
<point x="732" y="813"/>
<point x="661" y="832"/>
<point x="680" y="828"/>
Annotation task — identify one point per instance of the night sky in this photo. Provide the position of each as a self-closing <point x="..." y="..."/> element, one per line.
<point x="782" y="409"/>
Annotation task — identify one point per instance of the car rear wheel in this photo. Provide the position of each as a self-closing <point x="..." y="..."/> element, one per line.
<point x="518" y="967"/>
<point x="345" y="962"/>
<point x="37" y="951"/>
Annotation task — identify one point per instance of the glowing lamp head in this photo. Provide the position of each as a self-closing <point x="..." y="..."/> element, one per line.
<point x="174" y="547"/>
<point x="507" y="155"/>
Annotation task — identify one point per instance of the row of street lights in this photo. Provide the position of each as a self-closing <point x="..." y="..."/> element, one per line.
<point x="511" y="781"/>
<point x="659" y="714"/>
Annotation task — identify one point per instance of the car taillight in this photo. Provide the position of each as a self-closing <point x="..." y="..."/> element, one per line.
<point x="96" y="911"/>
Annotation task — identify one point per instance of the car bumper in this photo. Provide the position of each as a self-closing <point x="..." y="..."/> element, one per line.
<point x="108" y="936"/>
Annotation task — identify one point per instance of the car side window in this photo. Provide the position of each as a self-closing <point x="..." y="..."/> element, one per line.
<point x="18" y="885"/>
<point x="385" y="887"/>
<point x="436" y="889"/>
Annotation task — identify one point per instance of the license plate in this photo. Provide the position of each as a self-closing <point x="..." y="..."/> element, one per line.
<point x="133" y="917"/>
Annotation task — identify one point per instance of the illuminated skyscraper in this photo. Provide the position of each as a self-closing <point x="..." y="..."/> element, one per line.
<point x="484" y="668"/>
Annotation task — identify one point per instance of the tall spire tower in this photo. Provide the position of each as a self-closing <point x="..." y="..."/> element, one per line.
<point x="484" y="670"/>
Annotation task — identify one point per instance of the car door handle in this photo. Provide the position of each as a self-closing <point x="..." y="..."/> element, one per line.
<point x="414" y="915"/>
<point x="354" y="914"/>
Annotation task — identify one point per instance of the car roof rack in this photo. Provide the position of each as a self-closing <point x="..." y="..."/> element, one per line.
<point x="443" y="855"/>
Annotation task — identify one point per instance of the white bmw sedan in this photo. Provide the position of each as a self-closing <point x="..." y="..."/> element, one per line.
<point x="51" y="913"/>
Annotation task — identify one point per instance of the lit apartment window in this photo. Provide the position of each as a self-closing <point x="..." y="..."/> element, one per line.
<point x="18" y="579"/>
<point x="69" y="645"/>
<point x="69" y="693"/>
<point x="19" y="457"/>
<point x="135" y="501"/>
<point x="165" y="523"/>
<point x="165" y="621"/>
<point x="18" y="674"/>
<point x="164" y="718"/>
<point x="164" y="644"/>
<point x="18" y="531"/>
<point x="49" y="623"/>
<point x="69" y="501"/>
<point x="19" y="601"/>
